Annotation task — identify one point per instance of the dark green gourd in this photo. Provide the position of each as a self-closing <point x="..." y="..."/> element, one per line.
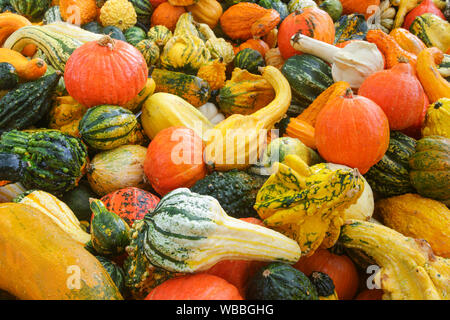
<point x="8" y="76"/>
<point x="28" y="103"/>
<point x="115" y="272"/>
<point x="47" y="160"/>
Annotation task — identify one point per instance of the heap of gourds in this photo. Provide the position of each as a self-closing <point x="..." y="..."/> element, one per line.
<point x="137" y="146"/>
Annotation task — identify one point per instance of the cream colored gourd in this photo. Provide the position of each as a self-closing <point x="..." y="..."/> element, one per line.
<point x="211" y="112"/>
<point x="70" y="30"/>
<point x="353" y="63"/>
<point x="59" y="212"/>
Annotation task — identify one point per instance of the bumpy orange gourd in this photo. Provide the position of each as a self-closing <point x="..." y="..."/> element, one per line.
<point x="78" y="12"/>
<point x="407" y="40"/>
<point x="26" y="69"/>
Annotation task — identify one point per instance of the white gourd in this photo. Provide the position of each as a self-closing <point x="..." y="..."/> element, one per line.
<point x="211" y="112"/>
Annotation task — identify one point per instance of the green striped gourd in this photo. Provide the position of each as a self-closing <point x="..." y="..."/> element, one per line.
<point x="106" y="127"/>
<point x="52" y="15"/>
<point x="432" y="30"/>
<point x="143" y="10"/>
<point x="28" y="103"/>
<point x="32" y="9"/>
<point x="56" y="47"/>
<point x="390" y="176"/>
<point x="249" y="59"/>
<point x="160" y="34"/>
<point x="308" y="77"/>
<point x="149" y="50"/>
<point x="45" y="159"/>
<point x="134" y="35"/>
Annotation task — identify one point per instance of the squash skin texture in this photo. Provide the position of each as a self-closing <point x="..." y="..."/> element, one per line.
<point x="437" y="119"/>
<point x="26" y="231"/>
<point x="409" y="268"/>
<point x="418" y="217"/>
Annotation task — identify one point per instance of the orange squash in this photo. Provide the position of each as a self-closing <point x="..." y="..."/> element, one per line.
<point x="166" y="15"/>
<point x="10" y="22"/>
<point x="26" y="69"/>
<point x="78" y="12"/>
<point x="408" y="41"/>
<point x="256" y="44"/>
<point x="359" y="6"/>
<point x="206" y="11"/>
<point x="303" y="131"/>
<point x="40" y="261"/>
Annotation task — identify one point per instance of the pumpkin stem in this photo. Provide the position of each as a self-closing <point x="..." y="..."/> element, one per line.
<point x="348" y="93"/>
<point x="297" y="12"/>
<point x="107" y="41"/>
<point x="402" y="59"/>
<point x="438" y="104"/>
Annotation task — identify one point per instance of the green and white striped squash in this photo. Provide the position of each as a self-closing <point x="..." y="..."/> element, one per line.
<point x="106" y="127"/>
<point x="249" y="59"/>
<point x="32" y="9"/>
<point x="188" y="232"/>
<point x="134" y="35"/>
<point x="160" y="34"/>
<point x="52" y="15"/>
<point x="143" y="10"/>
<point x="56" y="47"/>
<point x="149" y="50"/>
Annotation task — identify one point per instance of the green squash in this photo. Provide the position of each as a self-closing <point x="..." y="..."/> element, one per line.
<point x="8" y="76"/>
<point x="78" y="200"/>
<point x="47" y="160"/>
<point x="308" y="77"/>
<point x="280" y="281"/>
<point x="278" y="5"/>
<point x="159" y="34"/>
<point x="134" y="35"/>
<point x="110" y="234"/>
<point x="28" y="103"/>
<point x="149" y="50"/>
<point x="114" y="33"/>
<point x="324" y="285"/>
<point x="143" y="10"/>
<point x="107" y="127"/>
<point x="93" y="26"/>
<point x="430" y="168"/>
<point x="249" y="59"/>
<point x="333" y="8"/>
<point x="33" y="9"/>
<point x="390" y="176"/>
<point x="115" y="272"/>
<point x="294" y="5"/>
<point x="350" y="27"/>
<point x="52" y="15"/>
<point x="432" y="30"/>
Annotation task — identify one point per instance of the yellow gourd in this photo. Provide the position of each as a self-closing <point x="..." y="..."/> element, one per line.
<point x="437" y="119"/>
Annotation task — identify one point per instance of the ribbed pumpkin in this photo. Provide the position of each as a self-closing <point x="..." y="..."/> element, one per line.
<point x="119" y="68"/>
<point x="430" y="168"/>
<point x="310" y="21"/>
<point x="390" y="176"/>
<point x="107" y="127"/>
<point x="402" y="100"/>
<point x="339" y="140"/>
<point x="130" y="203"/>
<point x="174" y="160"/>
<point x="149" y="50"/>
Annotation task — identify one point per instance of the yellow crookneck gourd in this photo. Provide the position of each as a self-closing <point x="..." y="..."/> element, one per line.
<point x="237" y="141"/>
<point x="437" y="119"/>
<point x="308" y="203"/>
<point x="409" y="270"/>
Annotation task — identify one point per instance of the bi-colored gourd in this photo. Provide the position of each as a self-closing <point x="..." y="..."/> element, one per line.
<point x="26" y="69"/>
<point x="432" y="30"/>
<point x="407" y="40"/>
<point x="437" y="119"/>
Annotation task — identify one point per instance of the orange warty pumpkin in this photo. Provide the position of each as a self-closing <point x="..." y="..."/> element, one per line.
<point x="312" y="22"/>
<point x="166" y="15"/>
<point x="339" y="268"/>
<point x="174" y="160"/>
<point x="353" y="131"/>
<point x="78" y="11"/>
<point x="199" y="286"/>
<point x="113" y="72"/>
<point x="398" y="92"/>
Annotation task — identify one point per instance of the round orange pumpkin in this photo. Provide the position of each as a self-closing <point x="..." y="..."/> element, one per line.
<point x="199" y="286"/>
<point x="353" y="131"/>
<point x="370" y="294"/>
<point x="312" y="22"/>
<point x="166" y="15"/>
<point x="398" y="92"/>
<point x="106" y="71"/>
<point x="174" y="160"/>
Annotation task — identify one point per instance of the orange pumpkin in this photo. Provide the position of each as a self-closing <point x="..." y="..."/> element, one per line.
<point x="415" y="131"/>
<point x="255" y="44"/>
<point x="353" y="131"/>
<point x="339" y="268"/>
<point x="174" y="160"/>
<point x="359" y="6"/>
<point x="78" y="12"/>
<point x="166" y="15"/>
<point x="370" y="294"/>
<point x="119" y="69"/>
<point x="401" y="100"/>
<point x="199" y="286"/>
<point x="312" y="22"/>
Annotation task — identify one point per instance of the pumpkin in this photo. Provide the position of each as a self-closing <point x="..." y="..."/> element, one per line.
<point x="271" y="39"/>
<point x="311" y="21"/>
<point x="402" y="101"/>
<point x="66" y="114"/>
<point x="435" y="85"/>
<point x="339" y="268"/>
<point x="415" y="130"/>
<point x="130" y="204"/>
<point x="27" y="228"/>
<point x="78" y="11"/>
<point x="430" y="168"/>
<point x="144" y="10"/>
<point x="159" y="34"/>
<point x="407" y="40"/>
<point x="174" y="160"/>
<point x="195" y="287"/>
<point x="245" y="20"/>
<point x="108" y="87"/>
<point x="390" y="176"/>
<point x="244" y="93"/>
<point x="426" y="6"/>
<point x="370" y="294"/>
<point x="341" y="143"/>
<point x="418" y="217"/>
<point x="249" y="59"/>
<point x="149" y="50"/>
<point x="26" y="69"/>
<point x="206" y="11"/>
<point x="9" y="191"/>
<point x="214" y="73"/>
<point x="437" y="119"/>
<point x="255" y="44"/>
<point x="280" y="281"/>
<point x="118" y="168"/>
<point x="166" y="15"/>
<point x="118" y="13"/>
<point x="278" y="5"/>
<point x="358" y="6"/>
